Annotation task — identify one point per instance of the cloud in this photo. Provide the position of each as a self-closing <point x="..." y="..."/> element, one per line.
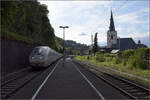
<point x="134" y="24"/>
<point x="82" y="18"/>
<point x="88" y="17"/>
<point x="83" y="34"/>
<point x="130" y="18"/>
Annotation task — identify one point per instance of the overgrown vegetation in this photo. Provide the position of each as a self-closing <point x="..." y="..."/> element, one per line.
<point x="135" y="58"/>
<point x="130" y="61"/>
<point x="99" y="57"/>
<point x="27" y="21"/>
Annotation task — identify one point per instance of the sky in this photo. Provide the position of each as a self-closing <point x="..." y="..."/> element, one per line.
<point x="85" y="18"/>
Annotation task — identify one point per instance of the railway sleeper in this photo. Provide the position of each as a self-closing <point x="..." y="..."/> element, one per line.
<point x="128" y="88"/>
<point x="3" y="96"/>
<point x="6" y="90"/>
<point x="145" y="97"/>
<point x="9" y="85"/>
<point x="140" y="95"/>
<point x="133" y="90"/>
<point x="125" y="85"/>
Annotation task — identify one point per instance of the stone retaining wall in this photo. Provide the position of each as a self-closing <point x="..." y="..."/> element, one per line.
<point x="14" y="55"/>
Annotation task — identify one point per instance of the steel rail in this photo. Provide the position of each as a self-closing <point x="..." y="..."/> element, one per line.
<point x="22" y="85"/>
<point x="115" y="86"/>
<point x="94" y="88"/>
<point x="11" y="88"/>
<point x="15" y="72"/>
<point x="18" y="77"/>
<point x="122" y="79"/>
<point x="119" y="79"/>
<point x="15" y="77"/>
<point x="43" y="83"/>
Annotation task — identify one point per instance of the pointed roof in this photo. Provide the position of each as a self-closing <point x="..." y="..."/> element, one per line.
<point x="112" y="26"/>
<point x="124" y="44"/>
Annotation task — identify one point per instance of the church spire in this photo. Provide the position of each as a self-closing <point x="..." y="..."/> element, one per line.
<point x="112" y="26"/>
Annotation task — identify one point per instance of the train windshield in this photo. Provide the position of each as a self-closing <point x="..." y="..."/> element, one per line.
<point x="37" y="51"/>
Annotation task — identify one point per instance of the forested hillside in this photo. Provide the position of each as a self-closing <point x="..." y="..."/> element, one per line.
<point x="27" y="21"/>
<point x="72" y="47"/>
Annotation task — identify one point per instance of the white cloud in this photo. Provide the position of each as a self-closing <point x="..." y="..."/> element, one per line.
<point x="90" y="17"/>
<point x="80" y="18"/>
<point x="133" y="17"/>
<point x="133" y="25"/>
<point x="136" y="35"/>
<point x="130" y="18"/>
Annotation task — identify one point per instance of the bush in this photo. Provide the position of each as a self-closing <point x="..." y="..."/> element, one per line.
<point x="147" y="53"/>
<point x="106" y="55"/>
<point x="127" y="53"/>
<point x="98" y="53"/>
<point x="116" y="60"/>
<point x="100" y="58"/>
<point x="88" y="57"/>
<point x="135" y="58"/>
<point x="132" y="62"/>
<point x="137" y="61"/>
<point x="143" y="52"/>
<point x="108" y="59"/>
<point x="124" y="62"/>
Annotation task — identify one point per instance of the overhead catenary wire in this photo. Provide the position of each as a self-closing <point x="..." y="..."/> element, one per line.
<point x="115" y="10"/>
<point x="123" y="4"/>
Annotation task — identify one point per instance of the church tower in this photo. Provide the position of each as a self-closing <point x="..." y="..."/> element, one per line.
<point x="111" y="33"/>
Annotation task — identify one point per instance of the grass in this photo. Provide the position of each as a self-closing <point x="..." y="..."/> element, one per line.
<point x="12" y="36"/>
<point x="142" y="76"/>
<point x="21" y="38"/>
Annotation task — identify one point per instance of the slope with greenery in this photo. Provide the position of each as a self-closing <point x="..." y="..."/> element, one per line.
<point x="27" y="21"/>
<point x="72" y="47"/>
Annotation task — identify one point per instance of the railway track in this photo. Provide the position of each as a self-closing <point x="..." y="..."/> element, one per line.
<point x="14" y="76"/>
<point x="14" y="84"/>
<point x="132" y="90"/>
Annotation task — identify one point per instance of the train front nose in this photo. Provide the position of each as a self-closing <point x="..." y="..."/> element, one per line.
<point x="37" y="60"/>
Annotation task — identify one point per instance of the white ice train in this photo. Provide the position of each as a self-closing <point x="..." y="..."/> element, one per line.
<point x="43" y="56"/>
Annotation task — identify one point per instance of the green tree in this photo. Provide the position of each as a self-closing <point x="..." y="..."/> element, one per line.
<point x="77" y="52"/>
<point x="28" y="19"/>
<point x="68" y="50"/>
<point x="95" y="46"/>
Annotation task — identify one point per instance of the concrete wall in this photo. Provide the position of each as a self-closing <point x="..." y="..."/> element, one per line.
<point x="14" y="55"/>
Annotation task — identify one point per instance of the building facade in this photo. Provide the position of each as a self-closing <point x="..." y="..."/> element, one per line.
<point x="111" y="33"/>
<point x="113" y="42"/>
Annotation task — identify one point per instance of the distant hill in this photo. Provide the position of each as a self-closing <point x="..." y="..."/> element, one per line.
<point x="72" y="46"/>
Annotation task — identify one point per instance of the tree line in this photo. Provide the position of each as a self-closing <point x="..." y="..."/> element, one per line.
<point x="72" y="47"/>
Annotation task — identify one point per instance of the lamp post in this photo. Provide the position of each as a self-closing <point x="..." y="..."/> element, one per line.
<point x="63" y="42"/>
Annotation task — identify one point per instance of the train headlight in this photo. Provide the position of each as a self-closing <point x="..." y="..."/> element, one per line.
<point x="32" y="57"/>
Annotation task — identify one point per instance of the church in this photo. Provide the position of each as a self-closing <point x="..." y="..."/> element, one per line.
<point x="115" y="43"/>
